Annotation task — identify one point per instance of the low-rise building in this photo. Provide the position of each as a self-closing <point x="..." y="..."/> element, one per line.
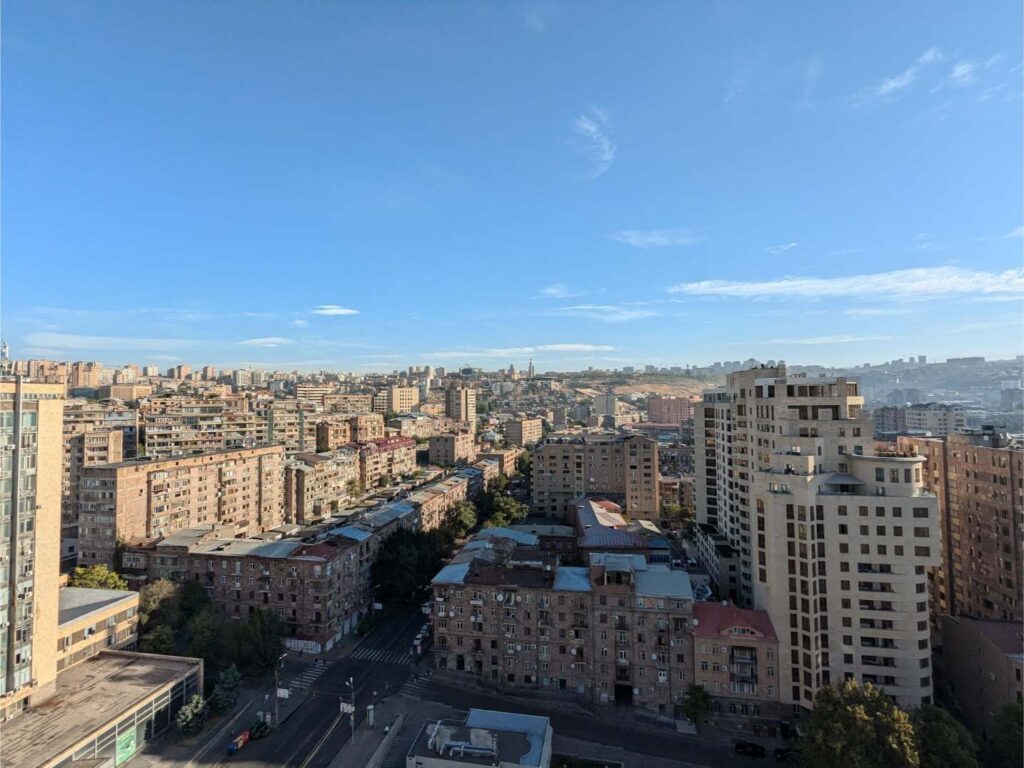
<point x="93" y="620"/>
<point x="736" y="660"/>
<point x="506" y="458"/>
<point x="484" y="738"/>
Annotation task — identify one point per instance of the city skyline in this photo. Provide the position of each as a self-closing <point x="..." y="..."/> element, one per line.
<point x="277" y="191"/>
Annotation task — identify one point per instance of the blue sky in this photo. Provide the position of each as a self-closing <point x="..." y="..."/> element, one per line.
<point x="367" y="186"/>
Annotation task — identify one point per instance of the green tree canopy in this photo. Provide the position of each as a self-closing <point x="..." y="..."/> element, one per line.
<point x="159" y="639"/>
<point x="225" y="692"/>
<point x="206" y="636"/>
<point x="96" y="577"/>
<point x="857" y="726"/>
<point x="191" y="718"/>
<point x="942" y="741"/>
<point x="406" y="563"/>
<point x="160" y="603"/>
<point x="1007" y="738"/>
<point x="697" y="702"/>
<point x="464" y="519"/>
<point x="524" y="462"/>
<point x="505" y="511"/>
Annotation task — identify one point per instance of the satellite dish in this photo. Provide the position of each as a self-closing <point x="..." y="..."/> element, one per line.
<point x="636" y="691"/>
<point x="501" y="597"/>
<point x="696" y="622"/>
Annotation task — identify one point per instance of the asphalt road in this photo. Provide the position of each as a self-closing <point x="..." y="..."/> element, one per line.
<point x="312" y="736"/>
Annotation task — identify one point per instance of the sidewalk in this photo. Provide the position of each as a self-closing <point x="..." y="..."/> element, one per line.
<point x="564" y="745"/>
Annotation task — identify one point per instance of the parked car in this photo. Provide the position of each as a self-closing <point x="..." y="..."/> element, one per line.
<point x="786" y="755"/>
<point x="749" y="748"/>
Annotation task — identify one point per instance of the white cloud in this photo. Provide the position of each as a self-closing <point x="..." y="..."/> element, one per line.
<point x="816" y="340"/>
<point x="266" y="341"/>
<point x="922" y="283"/>
<point x="609" y="313"/>
<point x="964" y="73"/>
<point x="1018" y="232"/>
<point x="875" y="311"/>
<point x="556" y="291"/>
<point x="656" y="238"/>
<point x="68" y="341"/>
<point x="781" y="248"/>
<point x="893" y="86"/>
<point x="299" y="322"/>
<point x="509" y="352"/>
<point x="334" y="310"/>
<point x="592" y="128"/>
<point x="923" y="242"/>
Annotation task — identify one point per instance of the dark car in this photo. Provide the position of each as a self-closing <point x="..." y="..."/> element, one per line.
<point x="749" y="748"/>
<point x="786" y="755"/>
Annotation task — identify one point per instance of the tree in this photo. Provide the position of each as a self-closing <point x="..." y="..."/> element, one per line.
<point x="524" y="462"/>
<point x="225" y="692"/>
<point x="505" y="511"/>
<point x="942" y="741"/>
<point x="206" y="636"/>
<point x="857" y="727"/>
<point x="160" y="603"/>
<point x="353" y="487"/>
<point x="464" y="520"/>
<point x="697" y="702"/>
<point x="1007" y="737"/>
<point x="193" y="598"/>
<point x="96" y="577"/>
<point x="407" y="561"/>
<point x="191" y="718"/>
<point x="160" y="639"/>
<point x="499" y="484"/>
<point x="263" y="641"/>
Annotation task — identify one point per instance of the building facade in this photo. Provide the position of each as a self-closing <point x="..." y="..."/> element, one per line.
<point x="524" y="432"/>
<point x="452" y="449"/>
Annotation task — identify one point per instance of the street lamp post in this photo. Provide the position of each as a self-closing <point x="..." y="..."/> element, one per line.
<point x="352" y="714"/>
<point x="277" y="690"/>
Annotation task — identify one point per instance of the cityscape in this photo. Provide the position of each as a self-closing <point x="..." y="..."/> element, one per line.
<point x="367" y="400"/>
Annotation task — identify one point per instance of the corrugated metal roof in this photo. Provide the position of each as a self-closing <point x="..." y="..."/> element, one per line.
<point x="660" y="581"/>
<point x="572" y="579"/>
<point x="453" y="573"/>
<point x="520" y="537"/>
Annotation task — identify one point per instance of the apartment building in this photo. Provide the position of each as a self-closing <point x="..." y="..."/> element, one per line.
<point x="662" y="409"/>
<point x="291" y="423"/>
<point x="176" y="427"/>
<point x="402" y="399"/>
<point x="336" y="430"/>
<point x="82" y="449"/>
<point x="524" y="432"/>
<point x="926" y="419"/>
<point x="83" y="416"/>
<point x="348" y="403"/>
<point x="94" y="620"/>
<point x="623" y="468"/>
<point x="31" y="426"/>
<point x="978" y="477"/>
<point x="614" y="632"/>
<point x="452" y="450"/>
<point x="506" y="458"/>
<point x="736" y="660"/>
<point x="385" y="459"/>
<point x="313" y="391"/>
<point x="435" y="501"/>
<point x="460" y="404"/>
<point x="834" y="538"/>
<point x="139" y="500"/>
<point x="317" y="484"/>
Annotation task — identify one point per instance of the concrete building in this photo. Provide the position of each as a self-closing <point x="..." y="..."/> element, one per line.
<point x="506" y="458"/>
<point x="834" y="537"/>
<point x="313" y="391"/>
<point x="607" y="405"/>
<point x="385" y="459"/>
<point x="316" y="485"/>
<point x="670" y="410"/>
<point x="524" y="432"/>
<point x="402" y="399"/>
<point x="348" y="403"/>
<point x="623" y="468"/>
<point x="984" y="664"/>
<point x="484" y="738"/>
<point x="94" y="620"/>
<point x="978" y="478"/>
<point x="337" y="430"/>
<point x="936" y="419"/>
<point x="140" y="500"/>
<point x="83" y="447"/>
<point x="736" y="660"/>
<point x="460" y="404"/>
<point x="452" y="450"/>
<point x="617" y="631"/>
<point x="31" y="425"/>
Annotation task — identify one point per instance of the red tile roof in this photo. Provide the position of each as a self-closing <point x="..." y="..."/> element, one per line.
<point x="715" y="620"/>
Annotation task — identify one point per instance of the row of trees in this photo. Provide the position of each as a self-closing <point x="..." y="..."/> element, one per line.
<point x="858" y="726"/>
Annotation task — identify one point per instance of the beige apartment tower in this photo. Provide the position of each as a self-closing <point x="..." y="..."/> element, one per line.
<point x="31" y="425"/>
<point x="460" y="404"/>
<point x="833" y="537"/>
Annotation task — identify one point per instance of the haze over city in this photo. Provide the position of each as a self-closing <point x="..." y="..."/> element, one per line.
<point x="361" y="189"/>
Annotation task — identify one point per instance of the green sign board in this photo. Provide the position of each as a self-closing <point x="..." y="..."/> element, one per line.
<point x="126" y="746"/>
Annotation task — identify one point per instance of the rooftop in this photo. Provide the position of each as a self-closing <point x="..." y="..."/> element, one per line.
<point x="716" y="620"/>
<point x="79" y="602"/>
<point x="90" y="697"/>
<point x="486" y="737"/>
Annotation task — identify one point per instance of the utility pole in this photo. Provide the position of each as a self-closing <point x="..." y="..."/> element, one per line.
<point x="352" y="714"/>
<point x="277" y="690"/>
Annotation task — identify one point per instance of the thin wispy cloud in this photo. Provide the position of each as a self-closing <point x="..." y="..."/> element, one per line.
<point x="73" y="341"/>
<point x="608" y="313"/>
<point x="298" y="322"/>
<point x="592" y="129"/>
<point x="333" y="310"/>
<point x="781" y="248"/>
<point x="656" y="238"/>
<point x="509" y="352"/>
<point x="817" y="340"/>
<point x="1018" y="232"/>
<point x="556" y="291"/>
<point x="923" y="283"/>
<point x="923" y="242"/>
<point x="811" y="76"/>
<point x="267" y="341"/>
<point x="875" y="311"/>
<point x="894" y="86"/>
<point x="963" y="74"/>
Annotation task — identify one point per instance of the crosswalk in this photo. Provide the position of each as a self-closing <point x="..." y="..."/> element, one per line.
<point x="382" y="656"/>
<point x="414" y="687"/>
<point x="310" y="674"/>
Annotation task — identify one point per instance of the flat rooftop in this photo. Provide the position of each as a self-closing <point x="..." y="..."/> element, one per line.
<point x="90" y="697"/>
<point x="78" y="602"/>
<point x="515" y="739"/>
